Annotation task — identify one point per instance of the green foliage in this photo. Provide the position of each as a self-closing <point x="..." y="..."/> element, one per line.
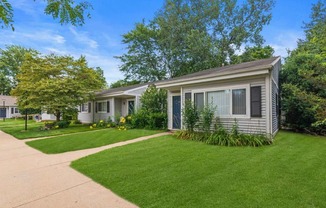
<point x="56" y="125"/>
<point x="206" y="117"/>
<point x="143" y="119"/>
<point x="123" y="83"/>
<point x="154" y="100"/>
<point x="62" y="124"/>
<point x="11" y="59"/>
<point x="319" y="127"/>
<point x="188" y="35"/>
<point x="190" y="115"/>
<point x="55" y="83"/>
<point x="153" y="111"/>
<point x="67" y="11"/>
<point x="253" y="53"/>
<point x="303" y="76"/>
<point x="224" y="138"/>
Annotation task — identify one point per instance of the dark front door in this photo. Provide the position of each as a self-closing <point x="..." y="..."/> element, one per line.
<point x="3" y="113"/>
<point x="176" y="108"/>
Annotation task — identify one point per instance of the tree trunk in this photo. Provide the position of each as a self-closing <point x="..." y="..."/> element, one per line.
<point x="57" y="115"/>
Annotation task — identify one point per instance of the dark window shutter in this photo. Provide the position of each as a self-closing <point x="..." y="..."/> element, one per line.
<point x="188" y="96"/>
<point x="255" y="101"/>
<point x="12" y="110"/>
<point x="89" y="107"/>
<point x="95" y="107"/>
<point x="108" y="106"/>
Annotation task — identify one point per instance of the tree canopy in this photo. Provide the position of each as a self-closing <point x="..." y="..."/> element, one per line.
<point x="304" y="75"/>
<point x="189" y="35"/>
<point x="56" y="83"/>
<point x="253" y="53"/>
<point x="11" y="59"/>
<point x="67" y="11"/>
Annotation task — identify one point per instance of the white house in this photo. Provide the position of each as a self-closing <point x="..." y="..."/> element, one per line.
<point x="112" y="103"/>
<point x="8" y="107"/>
<point x="247" y="92"/>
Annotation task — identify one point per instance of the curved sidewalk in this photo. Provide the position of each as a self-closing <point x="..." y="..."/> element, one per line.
<point x="29" y="178"/>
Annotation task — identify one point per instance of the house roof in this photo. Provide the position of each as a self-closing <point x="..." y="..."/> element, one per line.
<point x="120" y="90"/>
<point x="263" y="64"/>
<point x="8" y="100"/>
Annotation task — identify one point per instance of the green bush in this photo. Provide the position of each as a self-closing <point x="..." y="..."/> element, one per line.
<point x="190" y="115"/>
<point x="319" y="127"/>
<point x="143" y="119"/>
<point x="206" y="118"/>
<point x="77" y="122"/>
<point x="62" y="124"/>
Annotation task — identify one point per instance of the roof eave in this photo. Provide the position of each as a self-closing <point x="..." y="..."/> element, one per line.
<point x="224" y="76"/>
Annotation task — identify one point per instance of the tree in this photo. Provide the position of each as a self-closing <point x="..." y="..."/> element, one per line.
<point x="123" y="83"/>
<point x="304" y="75"/>
<point x="190" y="35"/>
<point x="64" y="10"/>
<point x="253" y="53"/>
<point x="56" y="83"/>
<point x="11" y="59"/>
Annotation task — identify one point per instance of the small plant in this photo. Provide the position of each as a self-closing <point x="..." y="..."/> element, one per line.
<point x="62" y="124"/>
<point x="77" y="122"/>
<point x="190" y="115"/>
<point x="207" y="115"/>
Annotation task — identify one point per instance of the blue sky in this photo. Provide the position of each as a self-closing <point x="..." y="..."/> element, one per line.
<point x="100" y="38"/>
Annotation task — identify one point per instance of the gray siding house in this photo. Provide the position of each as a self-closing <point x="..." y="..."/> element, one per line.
<point x="112" y="103"/>
<point x="247" y="92"/>
<point x="8" y="107"/>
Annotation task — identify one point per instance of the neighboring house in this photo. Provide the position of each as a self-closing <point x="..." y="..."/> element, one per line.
<point x="247" y="92"/>
<point x="47" y="116"/>
<point x="8" y="107"/>
<point x="112" y="103"/>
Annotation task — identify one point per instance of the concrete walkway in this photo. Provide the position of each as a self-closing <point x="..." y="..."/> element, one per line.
<point x="29" y="178"/>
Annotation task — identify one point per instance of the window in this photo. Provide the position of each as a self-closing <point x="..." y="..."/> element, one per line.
<point x="239" y="102"/>
<point x="255" y="101"/>
<point x="220" y="100"/>
<point x="84" y="107"/>
<point x="199" y="100"/>
<point x="188" y="96"/>
<point x="101" y="107"/>
<point x="16" y="110"/>
<point x="12" y="110"/>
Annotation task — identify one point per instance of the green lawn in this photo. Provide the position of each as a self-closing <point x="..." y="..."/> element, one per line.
<point x="166" y="172"/>
<point x="87" y="140"/>
<point x="16" y="129"/>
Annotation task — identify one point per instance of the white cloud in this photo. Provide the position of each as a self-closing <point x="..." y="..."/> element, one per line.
<point x="83" y="38"/>
<point x="284" y="40"/>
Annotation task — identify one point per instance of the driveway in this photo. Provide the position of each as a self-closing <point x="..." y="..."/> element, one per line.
<point x="29" y="178"/>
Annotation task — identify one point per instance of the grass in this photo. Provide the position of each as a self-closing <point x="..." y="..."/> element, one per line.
<point x="87" y="140"/>
<point x="16" y="129"/>
<point x="166" y="172"/>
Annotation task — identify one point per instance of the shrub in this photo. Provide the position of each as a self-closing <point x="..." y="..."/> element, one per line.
<point x="190" y="115"/>
<point x="62" y="124"/>
<point x="206" y="116"/>
<point x="319" y="127"/>
<point x="157" y="121"/>
<point x="49" y="125"/>
<point x="77" y="122"/>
